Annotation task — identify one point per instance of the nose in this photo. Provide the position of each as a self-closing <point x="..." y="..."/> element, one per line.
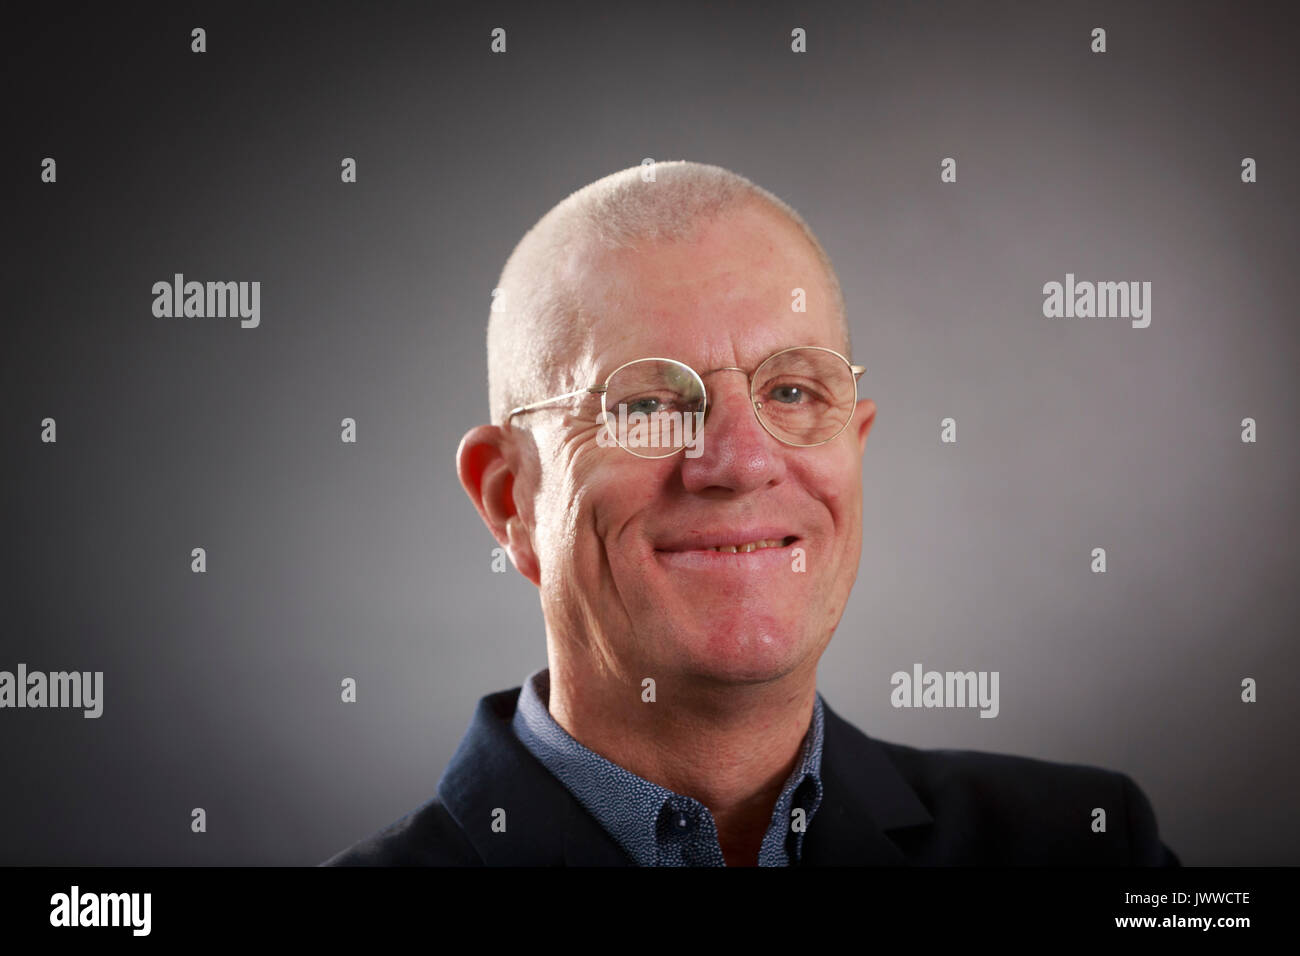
<point x="737" y="454"/>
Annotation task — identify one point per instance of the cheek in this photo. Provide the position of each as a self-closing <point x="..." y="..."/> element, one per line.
<point x="559" y="505"/>
<point x="594" y="511"/>
<point x="613" y="514"/>
<point x="836" y="482"/>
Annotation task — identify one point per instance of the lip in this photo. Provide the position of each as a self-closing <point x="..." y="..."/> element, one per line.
<point x="727" y="538"/>
<point x="770" y="560"/>
<point x="694" y="552"/>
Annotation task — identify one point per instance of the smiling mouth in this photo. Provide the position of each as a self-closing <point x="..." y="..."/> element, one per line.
<point x="744" y="547"/>
<point x="752" y="545"/>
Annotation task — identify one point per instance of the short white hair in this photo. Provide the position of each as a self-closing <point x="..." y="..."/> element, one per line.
<point x="539" y="323"/>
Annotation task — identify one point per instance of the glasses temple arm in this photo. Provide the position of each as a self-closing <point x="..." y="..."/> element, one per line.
<point x="520" y="409"/>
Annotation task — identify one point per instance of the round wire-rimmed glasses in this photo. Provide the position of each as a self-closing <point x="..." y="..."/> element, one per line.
<point x="654" y="407"/>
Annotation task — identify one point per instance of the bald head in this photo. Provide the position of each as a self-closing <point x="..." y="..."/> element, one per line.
<point x="541" y="318"/>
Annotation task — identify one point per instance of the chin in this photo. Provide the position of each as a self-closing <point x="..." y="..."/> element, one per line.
<point x="749" y="651"/>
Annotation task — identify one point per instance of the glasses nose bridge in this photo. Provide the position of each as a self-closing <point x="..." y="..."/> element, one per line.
<point x="725" y="368"/>
<point x="749" y="384"/>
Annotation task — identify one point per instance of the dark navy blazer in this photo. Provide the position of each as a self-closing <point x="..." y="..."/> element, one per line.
<point x="884" y="805"/>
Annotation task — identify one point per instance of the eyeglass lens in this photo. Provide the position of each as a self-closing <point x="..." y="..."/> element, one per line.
<point x="802" y="396"/>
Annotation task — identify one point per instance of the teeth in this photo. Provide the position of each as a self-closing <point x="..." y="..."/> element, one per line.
<point x="749" y="546"/>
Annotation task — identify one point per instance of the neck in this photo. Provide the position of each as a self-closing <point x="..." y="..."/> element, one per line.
<point x="730" y="746"/>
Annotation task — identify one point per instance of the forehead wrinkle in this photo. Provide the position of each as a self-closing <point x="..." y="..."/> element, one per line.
<point x="728" y="346"/>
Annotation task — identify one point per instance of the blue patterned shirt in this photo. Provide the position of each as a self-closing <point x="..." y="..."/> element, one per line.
<point x="655" y="826"/>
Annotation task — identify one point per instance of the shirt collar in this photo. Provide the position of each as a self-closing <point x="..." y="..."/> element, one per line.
<point x="630" y="808"/>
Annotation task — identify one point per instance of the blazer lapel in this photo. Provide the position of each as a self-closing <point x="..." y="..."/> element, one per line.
<point x="864" y="797"/>
<point x="493" y="771"/>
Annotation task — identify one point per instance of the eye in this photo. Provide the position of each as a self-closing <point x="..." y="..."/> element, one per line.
<point x="795" y="391"/>
<point x="646" y="405"/>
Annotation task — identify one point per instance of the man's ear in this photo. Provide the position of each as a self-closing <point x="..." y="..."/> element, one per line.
<point x="485" y="472"/>
<point x="864" y="416"/>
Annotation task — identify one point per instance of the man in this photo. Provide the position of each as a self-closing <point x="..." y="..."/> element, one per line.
<point x="691" y="573"/>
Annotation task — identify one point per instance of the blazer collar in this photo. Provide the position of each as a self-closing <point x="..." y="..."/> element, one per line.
<point x="544" y="824"/>
<point x="863" y="797"/>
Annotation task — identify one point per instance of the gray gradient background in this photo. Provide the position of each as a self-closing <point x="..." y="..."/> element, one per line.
<point x="329" y="560"/>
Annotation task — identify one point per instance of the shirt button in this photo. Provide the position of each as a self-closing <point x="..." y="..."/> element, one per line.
<point x="683" y="821"/>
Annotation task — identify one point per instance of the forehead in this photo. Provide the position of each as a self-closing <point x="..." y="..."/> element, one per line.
<point x="725" y="295"/>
